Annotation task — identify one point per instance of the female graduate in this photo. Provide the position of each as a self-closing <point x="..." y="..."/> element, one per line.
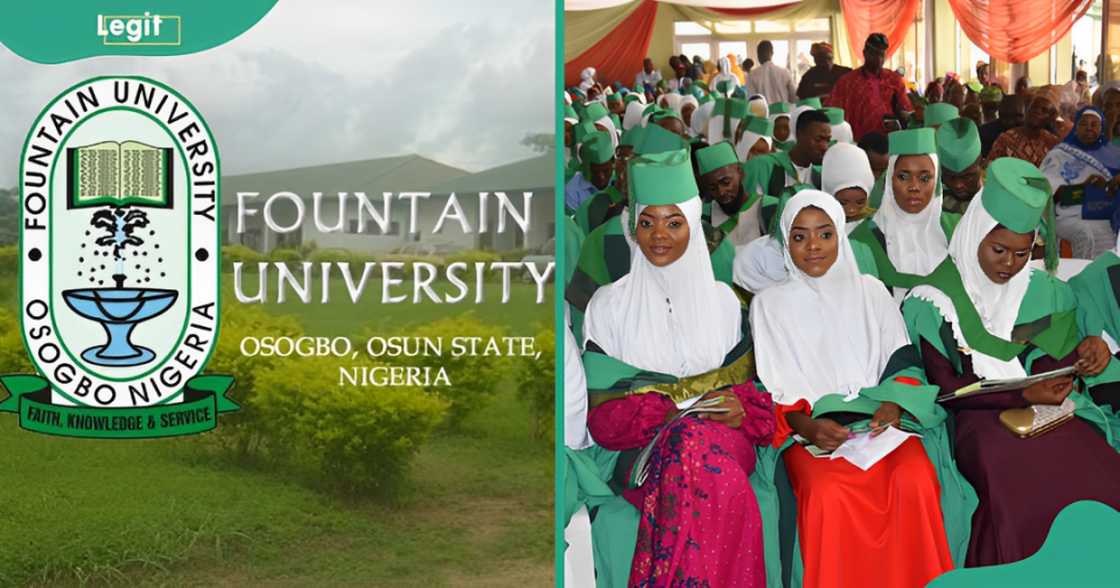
<point x="846" y="174"/>
<point x="1097" y="288"/>
<point x="982" y="315"/>
<point x="658" y="340"/>
<point x="909" y="234"/>
<point x="830" y="345"/>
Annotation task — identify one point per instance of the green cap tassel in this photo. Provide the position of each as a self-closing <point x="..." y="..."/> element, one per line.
<point x="1050" y="227"/>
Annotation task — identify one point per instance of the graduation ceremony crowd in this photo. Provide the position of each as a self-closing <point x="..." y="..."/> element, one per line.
<point x="824" y="262"/>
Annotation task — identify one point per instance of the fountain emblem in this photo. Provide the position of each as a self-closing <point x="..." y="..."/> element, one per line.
<point x="119" y="265"/>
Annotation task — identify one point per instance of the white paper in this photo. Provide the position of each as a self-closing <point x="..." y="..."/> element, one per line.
<point x="864" y="451"/>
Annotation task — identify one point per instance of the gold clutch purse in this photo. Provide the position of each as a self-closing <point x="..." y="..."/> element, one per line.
<point x="1036" y="419"/>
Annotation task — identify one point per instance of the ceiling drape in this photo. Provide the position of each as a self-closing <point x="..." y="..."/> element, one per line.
<point x="1017" y="30"/>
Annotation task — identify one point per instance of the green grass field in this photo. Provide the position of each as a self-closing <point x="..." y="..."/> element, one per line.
<point x="478" y="510"/>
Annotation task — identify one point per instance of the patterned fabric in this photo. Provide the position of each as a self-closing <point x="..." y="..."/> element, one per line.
<point x="1016" y="143"/>
<point x="866" y="98"/>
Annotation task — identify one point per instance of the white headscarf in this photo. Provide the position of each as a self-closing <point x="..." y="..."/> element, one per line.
<point x="828" y="335"/>
<point x="748" y="140"/>
<point x="759" y="265"/>
<point x="793" y="116"/>
<point x="700" y="118"/>
<point x="608" y="122"/>
<point x="676" y="319"/>
<point x="576" y="434"/>
<point x="672" y="101"/>
<point x="774" y="117"/>
<point x="842" y="133"/>
<point x="997" y="304"/>
<point x="633" y="115"/>
<point x="758" y="106"/>
<point x="846" y="166"/>
<point x="688" y="99"/>
<point x="915" y="242"/>
<point x="587" y="78"/>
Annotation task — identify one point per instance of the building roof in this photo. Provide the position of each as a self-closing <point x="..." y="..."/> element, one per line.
<point x="411" y="173"/>
<point x="373" y="176"/>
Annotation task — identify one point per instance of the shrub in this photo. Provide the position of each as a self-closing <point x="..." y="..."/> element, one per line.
<point x="248" y="257"/>
<point x="331" y="256"/>
<point x="13" y="355"/>
<point x="9" y="260"/>
<point x="307" y="248"/>
<point x="536" y="384"/>
<point x="474" y="379"/>
<point x="352" y="439"/>
<point x="281" y="255"/>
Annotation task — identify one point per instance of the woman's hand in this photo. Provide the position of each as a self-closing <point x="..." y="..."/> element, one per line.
<point x="824" y="433"/>
<point x="733" y="417"/>
<point x="888" y="414"/>
<point x="1052" y="391"/>
<point x="1096" y="180"/>
<point x="1092" y="356"/>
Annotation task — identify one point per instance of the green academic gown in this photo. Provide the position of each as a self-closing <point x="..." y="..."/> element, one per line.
<point x="921" y="414"/>
<point x="596" y="210"/>
<point x="597" y="477"/>
<point x="875" y="200"/>
<point x="1097" y="290"/>
<point x="870" y="236"/>
<point x="605" y="257"/>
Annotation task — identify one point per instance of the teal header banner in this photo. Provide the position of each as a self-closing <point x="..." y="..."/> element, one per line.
<point x="56" y="32"/>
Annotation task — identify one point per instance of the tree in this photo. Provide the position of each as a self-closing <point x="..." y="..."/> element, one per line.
<point x="540" y="142"/>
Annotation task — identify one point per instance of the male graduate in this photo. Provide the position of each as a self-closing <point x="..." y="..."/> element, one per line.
<point x="610" y="201"/>
<point x="734" y="209"/>
<point x="596" y="156"/>
<point x="958" y="150"/>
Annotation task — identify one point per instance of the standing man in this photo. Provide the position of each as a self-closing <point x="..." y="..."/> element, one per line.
<point x="648" y="76"/>
<point x="871" y="94"/>
<point x="770" y="80"/>
<point x="820" y="78"/>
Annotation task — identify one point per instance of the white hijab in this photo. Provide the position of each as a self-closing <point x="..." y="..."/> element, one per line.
<point x="700" y="118"/>
<point x="587" y="78"/>
<point x="828" y="335"/>
<point x="676" y="319"/>
<point x="846" y="166"/>
<point x="793" y="116"/>
<point x="997" y="304"/>
<point x="842" y="133"/>
<point x="758" y="106"/>
<point x="759" y="265"/>
<point x="748" y="140"/>
<point x="633" y="115"/>
<point x="915" y="242"/>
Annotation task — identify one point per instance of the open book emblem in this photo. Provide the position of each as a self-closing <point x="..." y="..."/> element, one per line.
<point x="119" y="263"/>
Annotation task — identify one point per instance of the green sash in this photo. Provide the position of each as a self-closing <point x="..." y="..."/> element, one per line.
<point x="595" y="211"/>
<point x="868" y="233"/>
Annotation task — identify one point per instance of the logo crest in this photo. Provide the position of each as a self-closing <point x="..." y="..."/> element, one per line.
<point x="119" y="265"/>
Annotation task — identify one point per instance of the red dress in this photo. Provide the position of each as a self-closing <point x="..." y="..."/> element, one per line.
<point x="882" y="527"/>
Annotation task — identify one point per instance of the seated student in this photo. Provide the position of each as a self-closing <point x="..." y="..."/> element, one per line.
<point x="908" y="235"/>
<point x="981" y="315"/>
<point x="1083" y="163"/>
<point x="773" y="173"/>
<point x="846" y="174"/>
<point x="753" y="137"/>
<point x="734" y="211"/>
<point x="779" y="115"/>
<point x="958" y="151"/>
<point x="829" y="345"/>
<point x="596" y="155"/>
<point x="609" y="202"/>
<point x="605" y="256"/>
<point x="657" y="340"/>
<point x="1097" y="288"/>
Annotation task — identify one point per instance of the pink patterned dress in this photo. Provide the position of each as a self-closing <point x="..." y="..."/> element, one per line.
<point x="700" y="524"/>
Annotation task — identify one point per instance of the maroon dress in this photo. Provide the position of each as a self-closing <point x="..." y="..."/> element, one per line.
<point x="1022" y="483"/>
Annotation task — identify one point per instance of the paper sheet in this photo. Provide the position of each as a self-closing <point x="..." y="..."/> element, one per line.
<point x="864" y="451"/>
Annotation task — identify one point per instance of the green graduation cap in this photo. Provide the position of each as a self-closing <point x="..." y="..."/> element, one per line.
<point x="631" y="97"/>
<point x="760" y="126"/>
<point x="655" y="139"/>
<point x="631" y="136"/>
<point x="912" y="142"/>
<point x="940" y="112"/>
<point x="780" y="108"/>
<point x="991" y="94"/>
<point x="664" y="113"/>
<point x="617" y="121"/>
<point x="835" y="115"/>
<point x="713" y="157"/>
<point x="595" y="111"/>
<point x="706" y="98"/>
<point x="814" y="102"/>
<point x="657" y="179"/>
<point x="975" y="86"/>
<point x="582" y="130"/>
<point x="1015" y="194"/>
<point x="958" y="144"/>
<point x="596" y="149"/>
<point x="614" y="97"/>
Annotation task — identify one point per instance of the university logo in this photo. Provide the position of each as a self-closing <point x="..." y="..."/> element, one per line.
<point x="119" y="265"/>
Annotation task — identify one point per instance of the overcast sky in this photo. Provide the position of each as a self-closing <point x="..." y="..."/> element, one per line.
<point x="324" y="82"/>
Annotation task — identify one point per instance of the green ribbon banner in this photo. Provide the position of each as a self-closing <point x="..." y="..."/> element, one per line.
<point x="203" y="400"/>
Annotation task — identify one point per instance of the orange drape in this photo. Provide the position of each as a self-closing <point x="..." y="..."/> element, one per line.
<point x="617" y="56"/>
<point x="893" y="18"/>
<point x="1017" y="30"/>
